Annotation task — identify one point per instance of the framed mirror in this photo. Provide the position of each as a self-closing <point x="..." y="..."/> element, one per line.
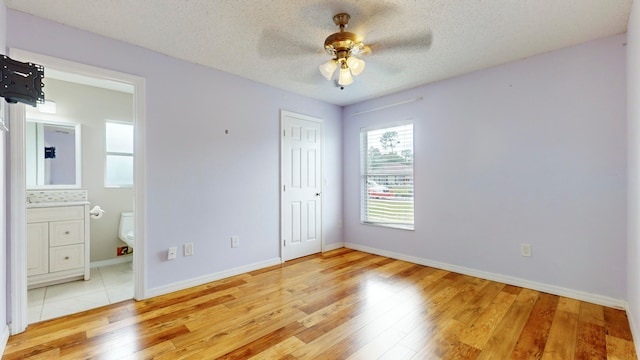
<point x="52" y="155"/>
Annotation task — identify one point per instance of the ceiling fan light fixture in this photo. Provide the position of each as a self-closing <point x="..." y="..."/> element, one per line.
<point x="345" y="77"/>
<point x="327" y="69"/>
<point x="355" y="65"/>
<point x="342" y="46"/>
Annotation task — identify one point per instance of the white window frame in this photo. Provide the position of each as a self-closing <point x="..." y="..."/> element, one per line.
<point x="112" y="153"/>
<point x="366" y="197"/>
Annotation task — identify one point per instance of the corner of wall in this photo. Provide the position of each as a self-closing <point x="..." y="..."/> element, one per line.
<point x="633" y="173"/>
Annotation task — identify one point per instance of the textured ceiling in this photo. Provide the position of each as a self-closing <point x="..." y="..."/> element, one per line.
<point x="280" y="42"/>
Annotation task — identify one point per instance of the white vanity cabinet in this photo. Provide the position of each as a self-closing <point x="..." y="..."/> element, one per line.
<point x="57" y="244"/>
<point x="37" y="248"/>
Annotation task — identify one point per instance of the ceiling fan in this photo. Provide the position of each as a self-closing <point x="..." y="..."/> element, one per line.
<point x="344" y="47"/>
<point x="347" y="48"/>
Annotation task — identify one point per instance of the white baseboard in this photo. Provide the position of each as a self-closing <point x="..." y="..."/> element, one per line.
<point x="551" y="289"/>
<point x="332" y="246"/>
<point x="4" y="337"/>
<point x="181" y="285"/>
<point x="635" y="332"/>
<point x="114" y="261"/>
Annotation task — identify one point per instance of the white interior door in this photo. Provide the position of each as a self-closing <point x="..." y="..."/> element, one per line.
<point x="301" y="187"/>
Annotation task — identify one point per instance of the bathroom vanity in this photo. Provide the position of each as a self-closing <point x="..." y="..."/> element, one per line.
<point x="57" y="237"/>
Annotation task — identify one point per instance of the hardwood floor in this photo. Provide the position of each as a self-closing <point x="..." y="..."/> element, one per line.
<point x="342" y="304"/>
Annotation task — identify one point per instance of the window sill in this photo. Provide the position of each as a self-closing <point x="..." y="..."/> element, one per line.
<point x="392" y="226"/>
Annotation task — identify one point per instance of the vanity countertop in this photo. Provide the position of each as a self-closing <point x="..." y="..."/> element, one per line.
<point x="54" y="198"/>
<point x="56" y="204"/>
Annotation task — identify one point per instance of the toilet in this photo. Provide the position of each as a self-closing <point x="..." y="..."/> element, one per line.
<point x="125" y="232"/>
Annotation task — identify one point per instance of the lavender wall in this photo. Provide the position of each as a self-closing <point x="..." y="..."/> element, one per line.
<point x="633" y="115"/>
<point x="533" y="151"/>
<point x="203" y="185"/>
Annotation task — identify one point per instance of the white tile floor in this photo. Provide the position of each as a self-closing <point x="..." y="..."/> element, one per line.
<point x="108" y="285"/>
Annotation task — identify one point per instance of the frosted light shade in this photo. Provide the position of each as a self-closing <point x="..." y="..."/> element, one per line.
<point x="328" y="68"/>
<point x="345" y="77"/>
<point x="356" y="65"/>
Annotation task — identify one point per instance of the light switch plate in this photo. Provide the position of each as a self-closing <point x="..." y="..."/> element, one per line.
<point x="188" y="249"/>
<point x="172" y="253"/>
<point x="525" y="250"/>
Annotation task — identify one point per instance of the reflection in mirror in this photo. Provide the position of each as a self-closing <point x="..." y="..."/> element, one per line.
<point x="52" y="155"/>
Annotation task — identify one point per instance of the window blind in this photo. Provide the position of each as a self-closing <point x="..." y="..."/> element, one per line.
<point x="387" y="176"/>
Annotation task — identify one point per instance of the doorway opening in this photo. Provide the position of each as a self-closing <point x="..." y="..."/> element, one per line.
<point x="87" y="99"/>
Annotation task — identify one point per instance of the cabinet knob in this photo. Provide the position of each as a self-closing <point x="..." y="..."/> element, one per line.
<point x="66" y="232"/>
<point x="66" y="258"/>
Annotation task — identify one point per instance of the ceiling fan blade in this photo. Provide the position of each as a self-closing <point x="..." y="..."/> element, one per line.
<point x="275" y="44"/>
<point x="418" y="42"/>
<point x="378" y="14"/>
<point x="386" y="68"/>
<point x="306" y="76"/>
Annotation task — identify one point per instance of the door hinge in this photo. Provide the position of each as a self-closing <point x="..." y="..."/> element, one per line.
<point x="284" y="132"/>
<point x="284" y="242"/>
<point x="284" y="187"/>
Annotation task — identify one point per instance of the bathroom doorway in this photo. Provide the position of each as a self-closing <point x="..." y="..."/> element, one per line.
<point x="93" y="107"/>
<point x="90" y="98"/>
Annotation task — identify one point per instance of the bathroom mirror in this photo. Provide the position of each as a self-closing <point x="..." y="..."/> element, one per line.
<point x="52" y="155"/>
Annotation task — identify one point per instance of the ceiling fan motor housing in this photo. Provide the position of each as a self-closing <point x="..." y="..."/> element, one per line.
<point x="342" y="41"/>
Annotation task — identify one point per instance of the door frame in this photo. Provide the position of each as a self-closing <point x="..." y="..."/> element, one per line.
<point x="283" y="114"/>
<point x="17" y="180"/>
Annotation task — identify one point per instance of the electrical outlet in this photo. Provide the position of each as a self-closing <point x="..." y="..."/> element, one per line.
<point x="172" y="253"/>
<point x="235" y="241"/>
<point x="188" y="249"/>
<point x="525" y="249"/>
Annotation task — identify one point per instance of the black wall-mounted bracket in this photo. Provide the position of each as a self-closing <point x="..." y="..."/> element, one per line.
<point x="21" y="82"/>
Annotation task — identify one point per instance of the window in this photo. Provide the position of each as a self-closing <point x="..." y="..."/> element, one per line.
<point x="386" y="157"/>
<point x="119" y="154"/>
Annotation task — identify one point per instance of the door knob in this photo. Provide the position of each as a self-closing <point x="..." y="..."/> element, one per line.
<point x="318" y="194"/>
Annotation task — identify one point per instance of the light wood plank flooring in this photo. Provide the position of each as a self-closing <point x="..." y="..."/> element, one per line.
<point x="342" y="304"/>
